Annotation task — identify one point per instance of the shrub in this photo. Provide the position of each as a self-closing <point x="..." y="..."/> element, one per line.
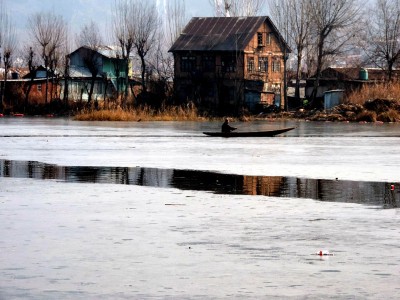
<point x="380" y="105"/>
<point x="366" y="116"/>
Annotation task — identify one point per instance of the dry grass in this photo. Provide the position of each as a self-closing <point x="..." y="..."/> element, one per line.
<point x="366" y="116"/>
<point x="377" y="91"/>
<point x="170" y="113"/>
<point x="389" y="116"/>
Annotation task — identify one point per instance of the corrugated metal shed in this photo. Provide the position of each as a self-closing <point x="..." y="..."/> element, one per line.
<point x="333" y="98"/>
<point x="221" y="33"/>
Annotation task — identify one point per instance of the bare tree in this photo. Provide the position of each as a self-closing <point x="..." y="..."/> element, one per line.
<point x="3" y="17"/>
<point x="383" y="35"/>
<point x="29" y="57"/>
<point x="49" y="33"/>
<point x="8" y="47"/>
<point x="3" y="21"/>
<point x="292" y="17"/>
<point x="237" y="8"/>
<point x="90" y="40"/>
<point x="66" y="69"/>
<point x="174" y="18"/>
<point x="334" y="24"/>
<point x="146" y="23"/>
<point x="90" y="36"/>
<point x="123" y="31"/>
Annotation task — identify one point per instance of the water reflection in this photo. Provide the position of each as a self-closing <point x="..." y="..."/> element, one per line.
<point x="319" y="189"/>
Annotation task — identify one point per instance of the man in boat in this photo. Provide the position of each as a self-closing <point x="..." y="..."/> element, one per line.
<point x="226" y="128"/>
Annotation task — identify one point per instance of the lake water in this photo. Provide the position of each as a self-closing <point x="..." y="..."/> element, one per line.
<point x="157" y="210"/>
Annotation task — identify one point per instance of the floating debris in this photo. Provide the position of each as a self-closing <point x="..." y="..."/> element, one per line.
<point x="324" y="253"/>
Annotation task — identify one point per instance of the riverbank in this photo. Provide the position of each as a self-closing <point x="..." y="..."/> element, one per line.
<point x="378" y="110"/>
<point x="146" y="113"/>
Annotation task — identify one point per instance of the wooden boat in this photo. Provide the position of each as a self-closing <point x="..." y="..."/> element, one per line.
<point x="250" y="133"/>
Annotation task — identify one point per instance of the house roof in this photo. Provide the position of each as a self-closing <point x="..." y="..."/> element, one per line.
<point x="109" y="51"/>
<point x="37" y="69"/>
<point x="221" y="34"/>
<point x="106" y="51"/>
<point x="80" y="72"/>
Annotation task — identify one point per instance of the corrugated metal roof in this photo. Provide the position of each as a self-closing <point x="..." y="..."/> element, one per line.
<point x="109" y="51"/>
<point x="220" y="33"/>
<point x="106" y="51"/>
<point x="80" y="72"/>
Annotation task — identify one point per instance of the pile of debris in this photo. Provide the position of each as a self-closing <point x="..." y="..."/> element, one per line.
<point x="377" y="110"/>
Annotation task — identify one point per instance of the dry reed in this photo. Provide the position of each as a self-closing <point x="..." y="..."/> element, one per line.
<point x="145" y="113"/>
<point x="376" y="91"/>
<point x="389" y="116"/>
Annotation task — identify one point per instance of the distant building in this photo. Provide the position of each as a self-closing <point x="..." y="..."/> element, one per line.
<point x="103" y="66"/>
<point x="32" y="83"/>
<point x="347" y="79"/>
<point x="225" y="64"/>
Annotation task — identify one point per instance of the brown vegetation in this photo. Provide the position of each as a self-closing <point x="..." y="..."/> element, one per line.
<point x="143" y="113"/>
<point x="378" y="91"/>
<point x="370" y="104"/>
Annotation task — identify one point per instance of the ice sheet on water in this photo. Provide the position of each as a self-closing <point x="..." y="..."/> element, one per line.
<point x="79" y="240"/>
<point x="65" y="240"/>
<point x="313" y="150"/>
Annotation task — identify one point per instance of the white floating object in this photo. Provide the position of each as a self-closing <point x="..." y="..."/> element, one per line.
<point x="324" y="253"/>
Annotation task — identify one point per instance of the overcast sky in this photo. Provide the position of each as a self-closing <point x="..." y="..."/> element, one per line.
<point x="78" y="12"/>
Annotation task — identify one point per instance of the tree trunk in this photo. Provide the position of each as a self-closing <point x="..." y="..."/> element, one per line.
<point x="298" y="77"/>
<point x="126" y="81"/>
<point x="91" y="91"/>
<point x="47" y="87"/>
<point x="66" y="91"/>
<point x="319" y="69"/>
<point x="28" y="91"/>
<point x="143" y="73"/>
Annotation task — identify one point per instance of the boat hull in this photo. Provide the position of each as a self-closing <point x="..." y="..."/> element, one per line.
<point x="267" y="133"/>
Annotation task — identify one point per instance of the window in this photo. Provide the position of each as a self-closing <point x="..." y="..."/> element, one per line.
<point x="250" y="64"/>
<point x="260" y="41"/>
<point x="39" y="87"/>
<point x="208" y="63"/>
<point x="228" y="63"/>
<point x="269" y="38"/>
<point x="276" y="65"/>
<point x="276" y="88"/>
<point x="263" y="64"/>
<point x="188" y="63"/>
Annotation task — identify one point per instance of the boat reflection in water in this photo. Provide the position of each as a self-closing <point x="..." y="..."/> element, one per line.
<point x="377" y="193"/>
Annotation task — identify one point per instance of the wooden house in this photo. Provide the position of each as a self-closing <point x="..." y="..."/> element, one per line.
<point x="226" y="64"/>
<point x="103" y="67"/>
<point x="32" y="83"/>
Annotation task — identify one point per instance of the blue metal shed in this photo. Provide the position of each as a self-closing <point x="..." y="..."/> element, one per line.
<point x="333" y="98"/>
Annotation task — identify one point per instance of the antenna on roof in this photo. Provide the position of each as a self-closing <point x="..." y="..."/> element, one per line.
<point x="227" y="8"/>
